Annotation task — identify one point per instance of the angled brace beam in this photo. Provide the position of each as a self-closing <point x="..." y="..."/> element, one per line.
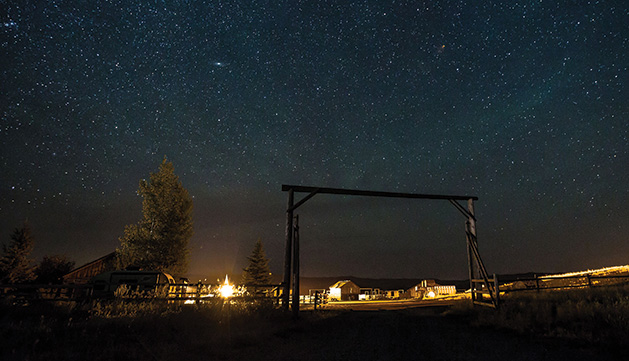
<point x="304" y="200"/>
<point x="483" y="271"/>
<point x="461" y="209"/>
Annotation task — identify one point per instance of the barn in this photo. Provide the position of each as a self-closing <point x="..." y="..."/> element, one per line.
<point x="345" y="290"/>
<point x="83" y="274"/>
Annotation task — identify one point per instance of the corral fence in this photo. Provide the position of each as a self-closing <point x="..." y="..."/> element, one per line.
<point x="485" y="292"/>
<point x="29" y="292"/>
<point x="538" y="283"/>
<point x="173" y="292"/>
<point x="482" y="295"/>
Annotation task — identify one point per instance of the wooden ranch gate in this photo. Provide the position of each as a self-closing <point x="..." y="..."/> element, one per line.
<point x="479" y="286"/>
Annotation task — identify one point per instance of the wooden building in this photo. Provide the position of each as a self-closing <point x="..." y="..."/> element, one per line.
<point x="395" y="294"/>
<point x="345" y="290"/>
<point x="430" y="289"/>
<point x="416" y="291"/>
<point x="83" y="274"/>
<point x="367" y="294"/>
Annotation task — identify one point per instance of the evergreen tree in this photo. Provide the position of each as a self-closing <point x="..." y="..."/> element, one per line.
<point x="257" y="272"/>
<point x="53" y="268"/>
<point x="160" y="240"/>
<point x="16" y="264"/>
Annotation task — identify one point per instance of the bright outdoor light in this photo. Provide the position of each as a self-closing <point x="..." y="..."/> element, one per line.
<point x="226" y="289"/>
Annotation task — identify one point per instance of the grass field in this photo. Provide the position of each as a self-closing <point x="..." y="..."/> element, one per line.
<point x="139" y="330"/>
<point x="598" y="315"/>
<point x="218" y="330"/>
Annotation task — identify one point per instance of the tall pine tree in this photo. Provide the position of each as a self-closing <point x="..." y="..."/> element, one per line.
<point x="16" y="266"/>
<point x="160" y="240"/>
<point x="257" y="272"/>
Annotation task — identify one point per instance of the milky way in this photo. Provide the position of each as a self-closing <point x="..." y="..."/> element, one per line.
<point x="521" y="103"/>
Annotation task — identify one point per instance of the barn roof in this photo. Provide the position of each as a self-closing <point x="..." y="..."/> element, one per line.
<point x="342" y="283"/>
<point x="90" y="269"/>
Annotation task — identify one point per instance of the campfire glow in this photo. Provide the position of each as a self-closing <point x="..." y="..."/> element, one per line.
<point x="226" y="289"/>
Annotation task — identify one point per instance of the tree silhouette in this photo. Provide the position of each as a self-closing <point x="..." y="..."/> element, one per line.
<point x="16" y="266"/>
<point x="53" y="268"/>
<point x="257" y="272"/>
<point x="160" y="240"/>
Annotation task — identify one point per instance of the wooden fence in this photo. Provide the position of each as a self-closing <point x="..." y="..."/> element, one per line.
<point x="483" y="296"/>
<point x="564" y="282"/>
<point x="171" y="292"/>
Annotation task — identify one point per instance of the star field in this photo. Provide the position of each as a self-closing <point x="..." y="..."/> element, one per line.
<point x="523" y="104"/>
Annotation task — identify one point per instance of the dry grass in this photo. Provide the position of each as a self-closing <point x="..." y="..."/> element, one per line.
<point x="140" y="330"/>
<point x="594" y="315"/>
<point x="130" y="329"/>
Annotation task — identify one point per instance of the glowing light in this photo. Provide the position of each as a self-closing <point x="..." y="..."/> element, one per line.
<point x="335" y="293"/>
<point x="600" y="271"/>
<point x="226" y="289"/>
<point x="430" y="294"/>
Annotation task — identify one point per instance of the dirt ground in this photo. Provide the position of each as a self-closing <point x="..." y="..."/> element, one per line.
<point x="412" y="334"/>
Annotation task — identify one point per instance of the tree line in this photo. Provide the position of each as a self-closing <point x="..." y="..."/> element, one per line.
<point x="17" y="266"/>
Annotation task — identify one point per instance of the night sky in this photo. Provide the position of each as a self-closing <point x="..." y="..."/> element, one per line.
<point x="521" y="103"/>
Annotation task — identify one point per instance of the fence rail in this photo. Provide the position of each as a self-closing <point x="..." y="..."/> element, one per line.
<point x="171" y="292"/>
<point x="486" y="296"/>
<point x="564" y="282"/>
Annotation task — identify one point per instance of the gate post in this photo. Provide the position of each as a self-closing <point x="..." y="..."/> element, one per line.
<point x="497" y="290"/>
<point x="471" y="241"/>
<point x="288" y="250"/>
<point x="472" y="221"/>
<point x="295" y="306"/>
<point x="470" y="261"/>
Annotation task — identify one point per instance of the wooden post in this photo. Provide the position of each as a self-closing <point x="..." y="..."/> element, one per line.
<point x="473" y="244"/>
<point x="471" y="239"/>
<point x="295" y="307"/>
<point x="472" y="222"/>
<point x="288" y="250"/>
<point x="497" y="289"/>
<point x="470" y="261"/>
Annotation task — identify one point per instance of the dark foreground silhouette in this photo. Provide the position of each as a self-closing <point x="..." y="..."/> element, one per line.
<point x="431" y="333"/>
<point x="413" y="334"/>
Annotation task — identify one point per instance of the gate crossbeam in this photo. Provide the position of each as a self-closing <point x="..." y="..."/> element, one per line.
<point x="356" y="192"/>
